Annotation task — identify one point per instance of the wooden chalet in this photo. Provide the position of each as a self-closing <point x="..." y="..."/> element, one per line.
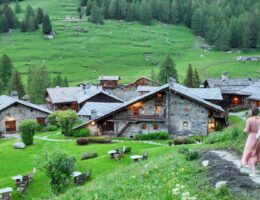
<point x="142" y="81"/>
<point x="109" y="82"/>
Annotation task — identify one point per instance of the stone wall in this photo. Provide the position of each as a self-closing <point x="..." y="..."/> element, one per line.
<point x="19" y="113"/>
<point x="186" y="117"/>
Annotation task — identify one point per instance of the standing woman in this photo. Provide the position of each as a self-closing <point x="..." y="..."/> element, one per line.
<point x="251" y="155"/>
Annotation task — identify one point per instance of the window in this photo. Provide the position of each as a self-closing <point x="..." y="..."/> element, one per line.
<point x="41" y="120"/>
<point x="144" y="126"/>
<point x="185" y="124"/>
<point x="158" y="109"/>
<point x="155" y="126"/>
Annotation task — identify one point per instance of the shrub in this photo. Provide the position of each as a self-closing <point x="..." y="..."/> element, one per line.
<point x="39" y="127"/>
<point x="235" y="132"/>
<point x="88" y="155"/>
<point x="81" y="133"/>
<point x="128" y="150"/>
<point x="59" y="168"/>
<point x="99" y="139"/>
<point x="183" y="140"/>
<point x="170" y="143"/>
<point x="28" y="128"/>
<point x="183" y="151"/>
<point x="219" y="127"/>
<point x="192" y="155"/>
<point x="52" y="128"/>
<point x="82" y="141"/>
<point x="152" y="136"/>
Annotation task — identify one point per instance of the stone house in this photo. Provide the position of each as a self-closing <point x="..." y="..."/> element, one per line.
<point x="171" y="107"/>
<point x="13" y="111"/>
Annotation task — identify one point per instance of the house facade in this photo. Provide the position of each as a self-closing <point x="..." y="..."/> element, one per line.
<point x="109" y="82"/>
<point x="142" y="81"/>
<point x="14" y="111"/>
<point x="171" y="108"/>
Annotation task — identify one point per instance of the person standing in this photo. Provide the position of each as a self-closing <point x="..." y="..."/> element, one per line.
<point x="251" y="154"/>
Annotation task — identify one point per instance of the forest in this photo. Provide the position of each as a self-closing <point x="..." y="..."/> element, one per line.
<point x="224" y="24"/>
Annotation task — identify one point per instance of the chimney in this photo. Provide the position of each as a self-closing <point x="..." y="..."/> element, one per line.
<point x="14" y="94"/>
<point x="171" y="81"/>
<point x="26" y="98"/>
<point x="224" y="76"/>
<point x="93" y="114"/>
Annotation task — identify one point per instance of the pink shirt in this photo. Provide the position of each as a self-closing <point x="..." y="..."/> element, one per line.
<point x="252" y="125"/>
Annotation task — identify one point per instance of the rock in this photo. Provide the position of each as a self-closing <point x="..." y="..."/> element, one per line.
<point x="205" y="163"/>
<point x="19" y="145"/>
<point x="220" y="184"/>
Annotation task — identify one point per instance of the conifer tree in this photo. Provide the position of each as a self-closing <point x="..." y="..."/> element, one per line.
<point x="145" y="13"/>
<point x="29" y="19"/>
<point x="23" y="26"/>
<point x="96" y="14"/>
<point x="39" y="16"/>
<point x="197" y="22"/>
<point x="2" y="87"/>
<point x="106" y="9"/>
<point x="167" y="70"/>
<point x="3" y="24"/>
<point x="9" y="14"/>
<point x="153" y="75"/>
<point x="6" y="68"/>
<point x="31" y="24"/>
<point x="189" y="80"/>
<point x="65" y="82"/>
<point x="17" y="7"/>
<point x="196" y="81"/>
<point x="46" y="26"/>
<point x="15" y="84"/>
<point x="223" y="38"/>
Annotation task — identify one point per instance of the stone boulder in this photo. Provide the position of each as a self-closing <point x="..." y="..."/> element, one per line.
<point x="19" y="145"/>
<point x="205" y="163"/>
<point x="220" y="184"/>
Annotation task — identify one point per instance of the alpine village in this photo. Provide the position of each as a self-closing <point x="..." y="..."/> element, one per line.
<point x="129" y="99"/>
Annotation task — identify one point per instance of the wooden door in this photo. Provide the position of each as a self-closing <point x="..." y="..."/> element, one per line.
<point x="10" y="126"/>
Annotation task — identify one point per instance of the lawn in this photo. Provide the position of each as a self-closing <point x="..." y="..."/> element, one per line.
<point x="116" y="48"/>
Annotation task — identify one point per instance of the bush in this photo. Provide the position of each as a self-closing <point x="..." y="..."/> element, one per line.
<point x="99" y="139"/>
<point x="152" y="136"/>
<point x="183" y="140"/>
<point x="219" y="127"/>
<point x="82" y="141"/>
<point x="169" y="143"/>
<point x="192" y="155"/>
<point x="88" y="155"/>
<point x="52" y="128"/>
<point x="28" y="128"/>
<point x="81" y="133"/>
<point x="235" y="132"/>
<point x="128" y="150"/>
<point x="39" y="128"/>
<point x="59" y="168"/>
<point x="183" y="151"/>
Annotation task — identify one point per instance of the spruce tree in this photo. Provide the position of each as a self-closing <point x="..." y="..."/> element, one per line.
<point x="145" y="13"/>
<point x="10" y="16"/>
<point x="96" y="14"/>
<point x="197" y="22"/>
<point x="196" y="81"/>
<point x="223" y="38"/>
<point x="235" y="33"/>
<point x="15" y="84"/>
<point x="17" y="7"/>
<point x="29" y="18"/>
<point x="65" y="82"/>
<point x="46" y="26"/>
<point x="189" y="80"/>
<point x="23" y="26"/>
<point x="58" y="80"/>
<point x="106" y="9"/>
<point x="6" y="68"/>
<point x="153" y="75"/>
<point x="2" y="87"/>
<point x="3" y="24"/>
<point x="39" y="16"/>
<point x="31" y="24"/>
<point x="167" y="70"/>
<point x="254" y="29"/>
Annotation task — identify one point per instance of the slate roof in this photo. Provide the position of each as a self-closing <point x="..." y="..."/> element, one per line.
<point x="231" y="86"/>
<point x="99" y="107"/>
<point x="110" y="78"/>
<point x="175" y="87"/>
<point x="207" y="93"/>
<point x="253" y="91"/>
<point x="146" y="88"/>
<point x="7" y="101"/>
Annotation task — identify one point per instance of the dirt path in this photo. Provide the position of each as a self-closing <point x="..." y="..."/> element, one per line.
<point x="225" y="166"/>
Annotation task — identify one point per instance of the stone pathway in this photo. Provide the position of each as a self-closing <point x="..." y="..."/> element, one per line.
<point x="14" y="135"/>
<point x="236" y="161"/>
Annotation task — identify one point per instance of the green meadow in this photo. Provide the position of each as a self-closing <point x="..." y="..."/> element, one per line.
<point x="116" y="48"/>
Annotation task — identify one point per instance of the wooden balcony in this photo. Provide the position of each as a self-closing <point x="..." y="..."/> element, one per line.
<point x="140" y="117"/>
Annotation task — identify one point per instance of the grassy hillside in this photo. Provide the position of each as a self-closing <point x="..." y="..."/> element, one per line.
<point x="116" y="48"/>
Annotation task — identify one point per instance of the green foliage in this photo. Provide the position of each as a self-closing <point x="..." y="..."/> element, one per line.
<point x="51" y="128"/>
<point x="89" y="155"/>
<point x="192" y="155"/>
<point x="96" y="14"/>
<point x="81" y="132"/>
<point x="219" y="127"/>
<point x="183" y="140"/>
<point x="167" y="70"/>
<point x="170" y="142"/>
<point x="3" y="24"/>
<point x="46" y="25"/>
<point x="15" y="84"/>
<point x="39" y="16"/>
<point x="66" y="120"/>
<point x="189" y="77"/>
<point x="145" y="13"/>
<point x="6" y="68"/>
<point x="27" y="129"/>
<point x="152" y="136"/>
<point x="99" y="139"/>
<point x="59" y="167"/>
<point x="17" y="7"/>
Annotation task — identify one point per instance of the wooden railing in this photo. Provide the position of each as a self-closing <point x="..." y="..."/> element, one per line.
<point x="152" y="117"/>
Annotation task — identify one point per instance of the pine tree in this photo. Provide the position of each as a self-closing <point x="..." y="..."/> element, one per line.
<point x="223" y="38"/>
<point x="197" y="22"/>
<point x="153" y="75"/>
<point x="15" y="84"/>
<point x="3" y="24"/>
<point x="196" y="81"/>
<point x="254" y="29"/>
<point x="46" y="26"/>
<point x="29" y="18"/>
<point x="96" y="14"/>
<point x="10" y="16"/>
<point x="106" y="9"/>
<point x="2" y="87"/>
<point x="58" y="80"/>
<point x="167" y="70"/>
<point x="17" y="7"/>
<point x="23" y="26"/>
<point x="189" y="80"/>
<point x="6" y="68"/>
<point x="31" y="24"/>
<point x="39" y="16"/>
<point x="145" y="13"/>
<point x="65" y="82"/>
<point x="211" y="30"/>
<point x="235" y="34"/>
